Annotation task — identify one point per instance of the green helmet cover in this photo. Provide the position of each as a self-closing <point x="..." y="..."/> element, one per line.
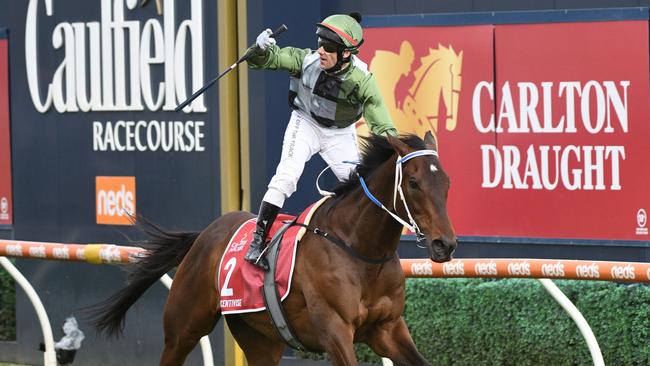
<point x="347" y="29"/>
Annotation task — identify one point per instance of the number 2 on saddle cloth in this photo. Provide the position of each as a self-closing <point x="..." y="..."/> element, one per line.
<point x="240" y="283"/>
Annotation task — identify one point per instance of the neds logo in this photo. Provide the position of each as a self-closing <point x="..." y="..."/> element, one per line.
<point x="519" y="268"/>
<point x="588" y="271"/>
<point x="115" y="200"/>
<point x="422" y="268"/>
<point x="553" y="270"/>
<point x="453" y="268"/>
<point x="486" y="268"/>
<point x="624" y="272"/>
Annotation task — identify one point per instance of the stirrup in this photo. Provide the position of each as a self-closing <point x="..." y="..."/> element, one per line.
<point x="262" y="263"/>
<point x="259" y="260"/>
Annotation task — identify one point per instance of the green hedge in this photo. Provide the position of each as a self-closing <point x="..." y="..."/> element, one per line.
<point x="516" y="322"/>
<point x="7" y="307"/>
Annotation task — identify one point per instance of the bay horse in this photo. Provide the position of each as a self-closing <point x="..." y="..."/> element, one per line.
<point x="336" y="299"/>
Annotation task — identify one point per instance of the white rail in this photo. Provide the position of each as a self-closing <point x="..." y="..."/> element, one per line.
<point x="577" y="317"/>
<point x="106" y="253"/>
<point x="49" y="355"/>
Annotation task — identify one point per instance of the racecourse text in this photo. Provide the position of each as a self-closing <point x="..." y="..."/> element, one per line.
<point x="148" y="136"/>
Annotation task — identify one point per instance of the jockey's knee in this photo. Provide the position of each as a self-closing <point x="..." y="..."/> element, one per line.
<point x="275" y="196"/>
<point x="285" y="181"/>
<point x="343" y="171"/>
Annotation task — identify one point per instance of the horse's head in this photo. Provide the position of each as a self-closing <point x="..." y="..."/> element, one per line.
<point x="425" y="185"/>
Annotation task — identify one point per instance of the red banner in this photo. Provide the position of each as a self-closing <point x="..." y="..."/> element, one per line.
<point x="6" y="204"/>
<point x="543" y="128"/>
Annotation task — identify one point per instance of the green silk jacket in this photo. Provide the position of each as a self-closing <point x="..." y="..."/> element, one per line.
<point x="334" y="100"/>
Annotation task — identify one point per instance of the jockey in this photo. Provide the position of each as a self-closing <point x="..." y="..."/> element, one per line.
<point x="329" y="90"/>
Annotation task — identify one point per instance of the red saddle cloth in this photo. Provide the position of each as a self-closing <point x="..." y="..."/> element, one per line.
<point x="240" y="283"/>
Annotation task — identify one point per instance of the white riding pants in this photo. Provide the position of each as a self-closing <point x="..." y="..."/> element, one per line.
<point x="303" y="138"/>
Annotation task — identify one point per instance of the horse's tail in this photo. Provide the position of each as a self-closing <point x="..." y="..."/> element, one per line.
<point x="166" y="250"/>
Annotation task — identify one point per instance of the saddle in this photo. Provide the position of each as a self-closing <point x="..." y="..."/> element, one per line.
<point x="245" y="288"/>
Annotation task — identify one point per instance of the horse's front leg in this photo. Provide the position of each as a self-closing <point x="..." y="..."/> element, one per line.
<point x="393" y="340"/>
<point x="334" y="335"/>
<point x="337" y="339"/>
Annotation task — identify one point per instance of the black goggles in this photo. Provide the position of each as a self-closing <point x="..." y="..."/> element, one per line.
<point x="328" y="45"/>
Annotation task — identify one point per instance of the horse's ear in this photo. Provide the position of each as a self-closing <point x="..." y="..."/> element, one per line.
<point x="400" y="147"/>
<point x="430" y="141"/>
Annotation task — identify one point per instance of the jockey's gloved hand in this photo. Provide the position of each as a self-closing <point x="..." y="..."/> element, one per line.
<point x="264" y="40"/>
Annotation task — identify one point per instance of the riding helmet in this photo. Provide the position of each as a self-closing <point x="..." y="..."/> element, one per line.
<point x="342" y="29"/>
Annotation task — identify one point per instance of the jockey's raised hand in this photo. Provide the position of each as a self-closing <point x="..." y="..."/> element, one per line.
<point x="264" y="40"/>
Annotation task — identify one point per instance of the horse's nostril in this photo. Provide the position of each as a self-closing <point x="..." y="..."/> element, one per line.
<point x="442" y="244"/>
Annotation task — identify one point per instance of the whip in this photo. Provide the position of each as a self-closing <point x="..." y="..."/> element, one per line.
<point x="251" y="51"/>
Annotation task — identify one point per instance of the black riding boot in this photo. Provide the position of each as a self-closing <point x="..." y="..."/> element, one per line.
<point x="265" y="219"/>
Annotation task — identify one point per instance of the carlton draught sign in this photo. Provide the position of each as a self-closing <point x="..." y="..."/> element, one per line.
<point x="543" y="128"/>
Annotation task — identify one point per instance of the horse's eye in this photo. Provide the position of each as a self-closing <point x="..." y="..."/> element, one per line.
<point x="413" y="184"/>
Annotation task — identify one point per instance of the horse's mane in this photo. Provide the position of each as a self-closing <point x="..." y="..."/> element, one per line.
<point x="375" y="150"/>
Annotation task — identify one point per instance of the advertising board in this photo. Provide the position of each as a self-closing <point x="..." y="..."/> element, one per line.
<point x="93" y="91"/>
<point x="543" y="128"/>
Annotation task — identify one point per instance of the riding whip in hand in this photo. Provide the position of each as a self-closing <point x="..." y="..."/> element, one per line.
<point x="267" y="42"/>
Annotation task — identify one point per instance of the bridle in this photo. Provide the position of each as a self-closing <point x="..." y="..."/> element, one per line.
<point x="411" y="225"/>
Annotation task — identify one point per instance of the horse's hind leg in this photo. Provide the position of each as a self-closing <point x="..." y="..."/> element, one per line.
<point x="180" y="342"/>
<point x="192" y="308"/>
<point x="186" y="320"/>
<point x="393" y="340"/>
<point x="259" y="349"/>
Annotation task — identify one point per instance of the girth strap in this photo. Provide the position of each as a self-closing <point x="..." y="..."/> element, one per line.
<point x="272" y="298"/>
<point x="341" y="244"/>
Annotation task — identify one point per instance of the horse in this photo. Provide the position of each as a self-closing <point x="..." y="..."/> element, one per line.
<point x="336" y="299"/>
